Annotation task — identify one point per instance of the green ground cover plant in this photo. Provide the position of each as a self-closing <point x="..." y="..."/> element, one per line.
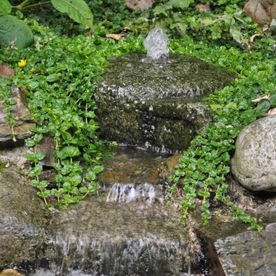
<point x="60" y="76"/>
<point x="59" y="79"/>
<point x="202" y="170"/>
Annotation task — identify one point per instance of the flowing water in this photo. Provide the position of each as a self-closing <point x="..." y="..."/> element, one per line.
<point x="129" y="230"/>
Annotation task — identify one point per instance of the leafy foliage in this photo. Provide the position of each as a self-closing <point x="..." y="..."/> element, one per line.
<point x="8" y="103"/>
<point x="59" y="80"/>
<point x="5" y="7"/>
<point x="201" y="173"/>
<point x="77" y="10"/>
<point x="60" y="77"/>
<point x="14" y="32"/>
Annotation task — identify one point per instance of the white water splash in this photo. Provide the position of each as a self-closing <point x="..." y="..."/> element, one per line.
<point x="125" y="193"/>
<point x="156" y="44"/>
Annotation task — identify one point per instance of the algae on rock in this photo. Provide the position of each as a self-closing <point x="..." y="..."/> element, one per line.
<point x="157" y="105"/>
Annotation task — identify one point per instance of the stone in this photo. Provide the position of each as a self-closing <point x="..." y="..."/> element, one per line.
<point x="157" y="105"/>
<point x="10" y="272"/>
<point x="6" y="71"/>
<point x="203" y="7"/>
<point x="139" y="4"/>
<point x="261" y="205"/>
<point x="22" y="219"/>
<point x="254" y="161"/>
<point x="261" y="11"/>
<point x="249" y="253"/>
<point x="142" y="167"/>
<point x="15" y="156"/>
<point x="24" y="121"/>
<point x="47" y="146"/>
<point x="130" y="239"/>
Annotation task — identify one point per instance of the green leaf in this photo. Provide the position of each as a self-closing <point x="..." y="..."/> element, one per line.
<point x="91" y="176"/>
<point x="53" y="77"/>
<point x="263" y="107"/>
<point x="36" y="171"/>
<point x="236" y="34"/>
<point x="160" y="10"/>
<point x="14" y="32"/>
<point x="75" y="180"/>
<point x="98" y="169"/>
<point x="77" y="10"/>
<point x="5" y="7"/>
<point x="35" y="157"/>
<point x="181" y="4"/>
<point x="273" y="101"/>
<point x="69" y="151"/>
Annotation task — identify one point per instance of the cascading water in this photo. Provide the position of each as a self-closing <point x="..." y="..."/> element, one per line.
<point x="126" y="193"/>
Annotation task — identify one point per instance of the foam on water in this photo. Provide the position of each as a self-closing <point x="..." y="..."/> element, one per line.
<point x="125" y="193"/>
<point x="156" y="44"/>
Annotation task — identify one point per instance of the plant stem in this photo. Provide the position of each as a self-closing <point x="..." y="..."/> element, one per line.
<point x="34" y="5"/>
<point x="23" y="4"/>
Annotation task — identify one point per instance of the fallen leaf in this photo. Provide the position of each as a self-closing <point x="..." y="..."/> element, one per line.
<point x="203" y="7"/>
<point x="115" y="36"/>
<point x="257" y="100"/>
<point x="251" y="40"/>
<point x="126" y="29"/>
<point x="6" y="71"/>
<point x="271" y="112"/>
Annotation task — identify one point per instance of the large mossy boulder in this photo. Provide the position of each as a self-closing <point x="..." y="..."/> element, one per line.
<point x="22" y="219"/>
<point x="254" y="162"/>
<point x="157" y="105"/>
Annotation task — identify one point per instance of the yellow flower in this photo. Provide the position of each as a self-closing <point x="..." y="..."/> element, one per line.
<point x="22" y="63"/>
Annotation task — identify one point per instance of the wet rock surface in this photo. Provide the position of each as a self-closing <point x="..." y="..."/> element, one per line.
<point x="127" y="230"/>
<point x="254" y="162"/>
<point x="131" y="166"/>
<point x="101" y="239"/>
<point x="22" y="219"/>
<point x="249" y="253"/>
<point x="156" y="105"/>
<point x="24" y="121"/>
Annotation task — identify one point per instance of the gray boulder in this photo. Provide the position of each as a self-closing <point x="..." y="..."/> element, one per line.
<point x="22" y="219"/>
<point x="157" y="105"/>
<point x="249" y="253"/>
<point x="254" y="162"/>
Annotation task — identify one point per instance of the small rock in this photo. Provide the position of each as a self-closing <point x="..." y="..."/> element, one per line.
<point x="202" y="7"/>
<point x="6" y="71"/>
<point x="10" y="272"/>
<point x="261" y="11"/>
<point x="47" y="146"/>
<point x="139" y="4"/>
<point x="22" y="219"/>
<point x="254" y="162"/>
